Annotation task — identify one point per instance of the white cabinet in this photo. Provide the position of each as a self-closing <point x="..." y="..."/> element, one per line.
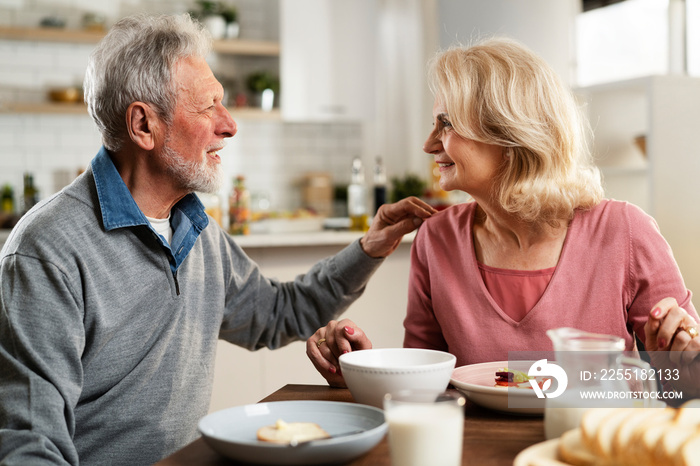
<point x="327" y="59"/>
<point x="665" y="180"/>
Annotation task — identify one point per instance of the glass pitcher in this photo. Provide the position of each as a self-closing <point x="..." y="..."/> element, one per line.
<point x="598" y="375"/>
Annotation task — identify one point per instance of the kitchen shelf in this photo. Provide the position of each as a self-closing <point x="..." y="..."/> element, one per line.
<point x="78" y="36"/>
<point x="43" y="107"/>
<point x="247" y="113"/>
<point x="241" y="47"/>
<point x="247" y="47"/>
<point x="48" y="34"/>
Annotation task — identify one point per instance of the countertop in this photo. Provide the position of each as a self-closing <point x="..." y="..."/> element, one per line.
<point x="271" y="240"/>
<point x="316" y="238"/>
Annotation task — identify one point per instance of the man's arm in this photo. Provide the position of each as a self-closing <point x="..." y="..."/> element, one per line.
<point x="41" y="340"/>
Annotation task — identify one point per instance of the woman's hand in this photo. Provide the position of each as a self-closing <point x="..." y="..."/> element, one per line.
<point x="391" y="223"/>
<point x="671" y="328"/>
<point x="672" y="337"/>
<point x="329" y="342"/>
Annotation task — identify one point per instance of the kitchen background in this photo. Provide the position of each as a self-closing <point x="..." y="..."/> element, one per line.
<point x="352" y="84"/>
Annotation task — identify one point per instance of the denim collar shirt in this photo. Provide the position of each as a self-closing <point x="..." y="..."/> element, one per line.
<point x="119" y="210"/>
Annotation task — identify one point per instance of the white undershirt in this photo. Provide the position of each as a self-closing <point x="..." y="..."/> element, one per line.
<point x="162" y="227"/>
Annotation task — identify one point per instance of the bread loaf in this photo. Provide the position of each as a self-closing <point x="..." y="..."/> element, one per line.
<point x="634" y="436"/>
<point x="668" y="446"/>
<point x="625" y="432"/>
<point x="590" y="423"/>
<point x="642" y="441"/>
<point x="690" y="451"/>
<point x="603" y="446"/>
<point x="573" y="451"/>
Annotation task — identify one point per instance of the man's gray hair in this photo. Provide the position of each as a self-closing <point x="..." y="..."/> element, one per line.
<point x="135" y="62"/>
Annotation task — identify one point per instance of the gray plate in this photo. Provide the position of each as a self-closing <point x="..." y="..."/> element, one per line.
<point x="232" y="432"/>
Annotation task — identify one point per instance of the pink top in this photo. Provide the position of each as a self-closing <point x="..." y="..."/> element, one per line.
<point x="515" y="291"/>
<point x="614" y="266"/>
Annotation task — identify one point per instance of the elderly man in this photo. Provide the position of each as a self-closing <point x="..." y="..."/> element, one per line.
<point x="114" y="291"/>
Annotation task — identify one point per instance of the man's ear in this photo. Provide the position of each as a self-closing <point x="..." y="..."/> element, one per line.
<point x="142" y="125"/>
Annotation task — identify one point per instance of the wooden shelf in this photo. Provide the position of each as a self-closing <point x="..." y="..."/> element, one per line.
<point x="247" y="47"/>
<point x="44" y="107"/>
<point x="247" y="113"/>
<point x="227" y="47"/>
<point x="77" y="36"/>
<point x="48" y="34"/>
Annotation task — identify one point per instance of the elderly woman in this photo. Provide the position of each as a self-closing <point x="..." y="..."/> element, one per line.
<point x="539" y="247"/>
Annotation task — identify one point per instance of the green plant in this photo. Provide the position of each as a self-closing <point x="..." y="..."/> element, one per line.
<point x="230" y="13"/>
<point x="208" y="7"/>
<point x="261" y="80"/>
<point x="409" y="185"/>
<point x="213" y="7"/>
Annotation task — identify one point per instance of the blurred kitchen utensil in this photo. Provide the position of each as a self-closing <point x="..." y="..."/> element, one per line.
<point x="318" y="193"/>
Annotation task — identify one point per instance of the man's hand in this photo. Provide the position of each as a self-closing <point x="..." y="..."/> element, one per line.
<point x="391" y="223"/>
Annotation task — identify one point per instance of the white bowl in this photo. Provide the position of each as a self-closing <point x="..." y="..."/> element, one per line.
<point x="370" y="374"/>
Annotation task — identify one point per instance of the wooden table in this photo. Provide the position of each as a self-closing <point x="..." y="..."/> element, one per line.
<point x="490" y="438"/>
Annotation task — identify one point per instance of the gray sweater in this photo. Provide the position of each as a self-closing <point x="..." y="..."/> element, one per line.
<point x="106" y="359"/>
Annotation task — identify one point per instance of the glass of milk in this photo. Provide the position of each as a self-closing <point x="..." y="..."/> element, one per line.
<point x="425" y="427"/>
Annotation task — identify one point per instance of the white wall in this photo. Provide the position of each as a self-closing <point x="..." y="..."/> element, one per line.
<point x="622" y="41"/>
<point x="546" y="26"/>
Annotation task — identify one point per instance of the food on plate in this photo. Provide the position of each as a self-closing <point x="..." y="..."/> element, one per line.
<point x="506" y="377"/>
<point x="634" y="436"/>
<point x="291" y="432"/>
<point x="511" y="378"/>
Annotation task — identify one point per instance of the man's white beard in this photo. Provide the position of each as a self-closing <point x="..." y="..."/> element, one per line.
<point x="202" y="176"/>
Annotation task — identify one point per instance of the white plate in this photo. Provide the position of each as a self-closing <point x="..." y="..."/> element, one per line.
<point x="232" y="432"/>
<point x="477" y="383"/>
<point x="546" y="452"/>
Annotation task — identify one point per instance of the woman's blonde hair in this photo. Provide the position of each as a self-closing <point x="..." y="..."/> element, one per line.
<point x="499" y="92"/>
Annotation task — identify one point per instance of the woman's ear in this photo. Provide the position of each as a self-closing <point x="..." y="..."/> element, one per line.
<point x="142" y="124"/>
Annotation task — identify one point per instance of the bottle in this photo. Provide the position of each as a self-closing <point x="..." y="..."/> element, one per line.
<point x="7" y="204"/>
<point x="212" y="206"/>
<point x="31" y="194"/>
<point x="357" y="198"/>
<point x="379" y="184"/>
<point x="239" y="208"/>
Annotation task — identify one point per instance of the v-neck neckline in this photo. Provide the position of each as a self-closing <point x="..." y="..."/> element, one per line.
<point x="475" y="265"/>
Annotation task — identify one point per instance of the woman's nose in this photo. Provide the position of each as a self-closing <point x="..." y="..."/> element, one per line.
<point x="432" y="144"/>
